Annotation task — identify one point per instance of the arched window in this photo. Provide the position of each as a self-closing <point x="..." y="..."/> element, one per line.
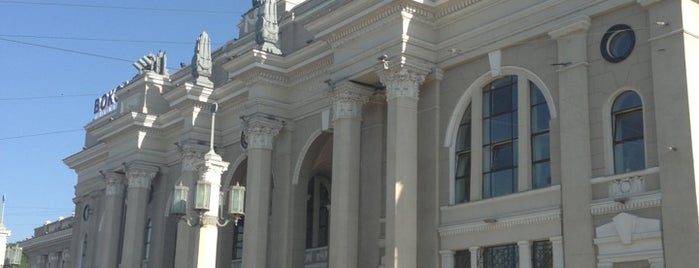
<point x="508" y="120"/>
<point x="147" y="241"/>
<point x="318" y="213"/>
<point x="627" y="133"/>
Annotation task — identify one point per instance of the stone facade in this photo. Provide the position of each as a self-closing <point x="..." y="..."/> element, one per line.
<point x="50" y="245"/>
<point x="436" y="133"/>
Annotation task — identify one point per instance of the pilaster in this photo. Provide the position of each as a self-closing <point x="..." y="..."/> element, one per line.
<point x="447" y="258"/>
<point x="557" y="251"/>
<point x="402" y="90"/>
<point x="525" y="254"/>
<point x="344" y="212"/>
<point x="575" y="146"/>
<point x="475" y="252"/>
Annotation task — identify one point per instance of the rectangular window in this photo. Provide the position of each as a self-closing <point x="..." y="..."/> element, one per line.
<point x="505" y="256"/>
<point x="542" y="254"/>
<point x="540" y="140"/>
<point x="500" y="134"/>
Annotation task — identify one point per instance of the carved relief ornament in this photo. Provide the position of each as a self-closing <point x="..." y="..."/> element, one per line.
<point x="139" y="177"/>
<point x="348" y="102"/>
<point x="260" y="131"/>
<point x="401" y="82"/>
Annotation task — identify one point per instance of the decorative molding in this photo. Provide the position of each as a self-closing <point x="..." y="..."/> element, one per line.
<point x="140" y="176"/>
<point x="640" y="173"/>
<point x="363" y="26"/>
<point x="481" y="226"/>
<point x="401" y="82"/>
<point x="629" y="238"/>
<point x="114" y="184"/>
<point x="348" y="100"/>
<point x="579" y="24"/>
<point x="261" y="75"/>
<point x="460" y="5"/>
<point x="261" y="130"/>
<point x="627" y="186"/>
<point x="208" y="220"/>
<point x="311" y="70"/>
<point x="633" y="203"/>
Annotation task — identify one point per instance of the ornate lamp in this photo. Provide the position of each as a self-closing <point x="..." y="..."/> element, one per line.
<point x="236" y="202"/>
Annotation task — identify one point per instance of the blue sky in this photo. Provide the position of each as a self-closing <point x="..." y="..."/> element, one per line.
<point x="47" y="93"/>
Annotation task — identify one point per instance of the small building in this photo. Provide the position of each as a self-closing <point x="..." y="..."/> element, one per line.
<point x="50" y="245"/>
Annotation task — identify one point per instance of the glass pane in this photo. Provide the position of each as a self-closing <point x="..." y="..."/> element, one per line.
<point x="542" y="254"/>
<point x="629" y="156"/>
<point x="628" y="125"/>
<point x="501" y="128"/>
<point x="486" y="104"/>
<point x="503" y="182"/>
<point x="502" y="156"/>
<point x="486" y="159"/>
<point x="625" y="101"/>
<point x="621" y="43"/>
<point x="541" y="175"/>
<point x="540" y="118"/>
<point x="486" y="185"/>
<point x="464" y="165"/>
<point x="502" y="101"/>
<point x="501" y="257"/>
<point x="515" y="94"/>
<point x="463" y="141"/>
<point x="486" y="131"/>
<point x="466" y="118"/>
<point x="503" y="82"/>
<point x="540" y="147"/>
<point x="535" y="96"/>
<point x="461" y="190"/>
<point x="462" y="259"/>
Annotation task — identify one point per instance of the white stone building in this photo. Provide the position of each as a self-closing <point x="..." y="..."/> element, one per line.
<point x="399" y="133"/>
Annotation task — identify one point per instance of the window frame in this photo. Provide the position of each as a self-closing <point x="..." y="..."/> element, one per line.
<point x="471" y="98"/>
<point x="611" y="115"/>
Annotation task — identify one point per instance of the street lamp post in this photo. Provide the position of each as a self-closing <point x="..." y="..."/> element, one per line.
<point x="210" y="170"/>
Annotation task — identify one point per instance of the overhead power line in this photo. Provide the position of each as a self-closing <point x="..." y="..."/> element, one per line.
<point x="40" y="134"/>
<point x="97" y="39"/>
<point x="72" y="51"/>
<point x="46" y="97"/>
<point x="120" y="7"/>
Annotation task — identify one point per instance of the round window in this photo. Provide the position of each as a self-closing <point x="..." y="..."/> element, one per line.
<point x="617" y="43"/>
<point x="86" y="212"/>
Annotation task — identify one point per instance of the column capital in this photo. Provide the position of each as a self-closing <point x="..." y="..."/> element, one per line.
<point x="260" y="130"/>
<point x="402" y="82"/>
<point x="348" y="99"/>
<point x="114" y="183"/>
<point x="140" y="175"/>
<point x="524" y="243"/>
<point x="580" y="24"/>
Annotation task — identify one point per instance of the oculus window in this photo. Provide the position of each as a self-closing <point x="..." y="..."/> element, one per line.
<point x="617" y="43"/>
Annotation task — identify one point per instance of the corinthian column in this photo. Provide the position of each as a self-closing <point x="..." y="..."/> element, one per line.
<point x="139" y="179"/>
<point x="111" y="222"/>
<point x="260" y="132"/>
<point x="402" y="87"/>
<point x="344" y="206"/>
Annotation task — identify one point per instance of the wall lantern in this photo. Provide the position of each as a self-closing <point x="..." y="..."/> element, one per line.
<point x="202" y="196"/>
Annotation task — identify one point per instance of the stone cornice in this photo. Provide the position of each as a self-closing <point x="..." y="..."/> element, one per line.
<point x="264" y="75"/>
<point x="646" y="3"/>
<point x="311" y="70"/>
<point x="580" y="24"/>
<point x="451" y="8"/>
<point x="123" y="123"/>
<point x="47" y="240"/>
<point x="609" y="206"/>
<point x="553" y="215"/>
<point x="86" y="156"/>
<point x="187" y="93"/>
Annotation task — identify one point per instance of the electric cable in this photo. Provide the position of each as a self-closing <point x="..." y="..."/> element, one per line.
<point x="120" y="7"/>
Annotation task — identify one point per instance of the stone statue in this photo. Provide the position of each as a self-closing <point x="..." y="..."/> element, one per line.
<point x="266" y="28"/>
<point x="201" y="61"/>
<point x="153" y="63"/>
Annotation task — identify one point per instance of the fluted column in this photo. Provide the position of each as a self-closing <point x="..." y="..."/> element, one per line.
<point x="139" y="179"/>
<point x="402" y="87"/>
<point x="344" y="206"/>
<point x="107" y="256"/>
<point x="260" y="131"/>
<point x="210" y="171"/>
